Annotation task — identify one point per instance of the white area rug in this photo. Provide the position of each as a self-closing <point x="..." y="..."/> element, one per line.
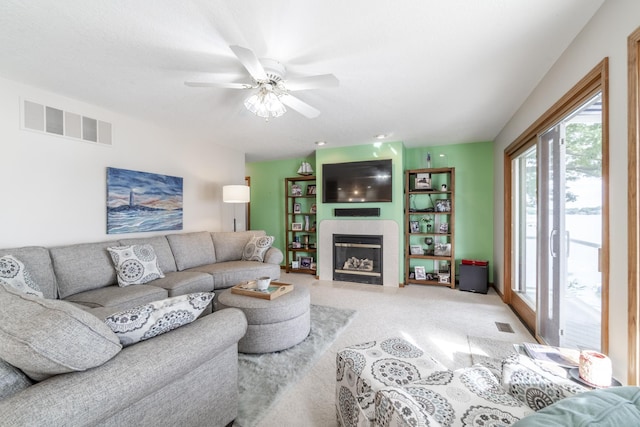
<point x="262" y="378"/>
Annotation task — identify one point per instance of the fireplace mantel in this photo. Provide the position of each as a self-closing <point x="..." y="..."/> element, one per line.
<point x="391" y="249"/>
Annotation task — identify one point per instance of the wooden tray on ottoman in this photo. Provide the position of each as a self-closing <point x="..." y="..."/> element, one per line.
<point x="275" y="290"/>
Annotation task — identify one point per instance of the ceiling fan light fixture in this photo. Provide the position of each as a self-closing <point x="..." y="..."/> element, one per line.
<point x="264" y="103"/>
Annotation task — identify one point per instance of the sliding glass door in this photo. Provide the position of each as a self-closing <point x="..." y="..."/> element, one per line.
<point x="556" y="237"/>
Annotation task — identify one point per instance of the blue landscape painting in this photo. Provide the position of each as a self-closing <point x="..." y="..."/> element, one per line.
<point x="142" y="201"/>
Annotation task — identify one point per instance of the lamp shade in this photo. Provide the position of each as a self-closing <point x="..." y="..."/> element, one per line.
<point x="236" y="194"/>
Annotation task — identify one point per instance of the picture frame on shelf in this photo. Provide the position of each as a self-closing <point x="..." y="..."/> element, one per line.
<point x="414" y="226"/>
<point x="421" y="274"/>
<point x="443" y="278"/>
<point x="313" y="208"/>
<point x="306" y="261"/>
<point x="296" y="190"/>
<point x="423" y="181"/>
<point x="442" y="249"/>
<point x="416" y="250"/>
<point x="443" y="228"/>
<point x="443" y="205"/>
<point x="311" y="190"/>
<point x="296" y="226"/>
<point x="297" y="208"/>
<point x="295" y="264"/>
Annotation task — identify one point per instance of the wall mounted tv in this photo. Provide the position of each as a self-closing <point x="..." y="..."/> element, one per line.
<point x="357" y="182"/>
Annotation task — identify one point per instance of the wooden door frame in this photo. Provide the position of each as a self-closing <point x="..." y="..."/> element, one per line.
<point x="633" y="220"/>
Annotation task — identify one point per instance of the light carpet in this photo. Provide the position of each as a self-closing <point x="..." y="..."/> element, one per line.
<point x="262" y="378"/>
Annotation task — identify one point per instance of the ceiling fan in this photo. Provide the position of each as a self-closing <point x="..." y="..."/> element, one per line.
<point x="271" y="92"/>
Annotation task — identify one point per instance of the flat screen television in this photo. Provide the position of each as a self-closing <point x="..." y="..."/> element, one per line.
<point x="357" y="182"/>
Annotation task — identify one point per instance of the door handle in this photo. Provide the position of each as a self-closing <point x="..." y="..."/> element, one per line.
<point x="551" y="239"/>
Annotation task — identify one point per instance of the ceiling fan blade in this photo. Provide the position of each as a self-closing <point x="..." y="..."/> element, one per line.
<point x="300" y="106"/>
<point x="219" y="84"/>
<point x="312" y="82"/>
<point x="250" y="61"/>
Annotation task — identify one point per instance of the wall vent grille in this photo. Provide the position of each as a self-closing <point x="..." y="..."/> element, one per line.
<point x="42" y="118"/>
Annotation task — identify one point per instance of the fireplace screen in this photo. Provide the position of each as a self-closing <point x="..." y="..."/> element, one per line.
<point x="357" y="258"/>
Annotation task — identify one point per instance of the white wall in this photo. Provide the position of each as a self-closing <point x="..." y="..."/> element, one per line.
<point x="605" y="36"/>
<point x="53" y="189"/>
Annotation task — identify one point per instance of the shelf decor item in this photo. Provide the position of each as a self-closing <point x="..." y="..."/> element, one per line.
<point x="416" y="250"/>
<point x="305" y="169"/>
<point x="443" y="205"/>
<point x="420" y="272"/>
<point x="442" y="249"/>
<point x="423" y="181"/>
<point x="296" y="226"/>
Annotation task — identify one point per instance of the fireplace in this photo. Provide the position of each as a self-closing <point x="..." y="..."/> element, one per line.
<point x="357" y="258"/>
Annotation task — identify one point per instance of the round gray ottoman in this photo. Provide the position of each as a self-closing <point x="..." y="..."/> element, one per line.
<point x="274" y="325"/>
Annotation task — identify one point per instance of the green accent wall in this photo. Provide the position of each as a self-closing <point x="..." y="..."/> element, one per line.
<point x="474" y="190"/>
<point x="267" y="194"/>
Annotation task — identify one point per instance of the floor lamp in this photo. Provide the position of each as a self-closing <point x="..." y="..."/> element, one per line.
<point x="235" y="194"/>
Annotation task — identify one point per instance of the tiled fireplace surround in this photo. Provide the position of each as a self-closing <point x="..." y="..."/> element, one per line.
<point x="389" y="231"/>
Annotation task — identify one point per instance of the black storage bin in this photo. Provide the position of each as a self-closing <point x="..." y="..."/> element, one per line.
<point x="474" y="277"/>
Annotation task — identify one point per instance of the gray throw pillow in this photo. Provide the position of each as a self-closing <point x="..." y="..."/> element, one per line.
<point x="135" y="264"/>
<point x="45" y="337"/>
<point x="13" y="273"/>
<point x="255" y="248"/>
<point x="155" y="318"/>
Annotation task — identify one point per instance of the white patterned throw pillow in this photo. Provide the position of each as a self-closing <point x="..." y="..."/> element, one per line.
<point x="13" y="273"/>
<point x="135" y="264"/>
<point x="255" y="249"/>
<point x="155" y="318"/>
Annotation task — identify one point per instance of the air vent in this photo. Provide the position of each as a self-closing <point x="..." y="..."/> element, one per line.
<point x="54" y="121"/>
<point x="504" y="327"/>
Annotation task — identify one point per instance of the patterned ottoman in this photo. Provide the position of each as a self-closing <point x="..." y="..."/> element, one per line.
<point x="394" y="383"/>
<point x="537" y="384"/>
<point x="273" y="325"/>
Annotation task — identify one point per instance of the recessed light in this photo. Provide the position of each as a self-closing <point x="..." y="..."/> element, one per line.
<point x="381" y="136"/>
<point x="320" y="142"/>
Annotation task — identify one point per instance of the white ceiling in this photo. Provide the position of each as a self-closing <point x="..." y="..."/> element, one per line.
<point x="426" y="72"/>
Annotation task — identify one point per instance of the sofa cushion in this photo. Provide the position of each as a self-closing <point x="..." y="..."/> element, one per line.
<point x="230" y="245"/>
<point x="192" y="249"/>
<point x="82" y="267"/>
<point x="13" y="273"/>
<point x="150" y="320"/>
<point x="44" y="337"/>
<point x="121" y="298"/>
<point x="135" y="264"/>
<point x="12" y="380"/>
<point x="612" y="407"/>
<point x="160" y="246"/>
<point x="230" y="273"/>
<point x="256" y="247"/>
<point x="185" y="282"/>
<point x="37" y="260"/>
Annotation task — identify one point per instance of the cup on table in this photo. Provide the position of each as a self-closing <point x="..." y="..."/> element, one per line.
<point x="262" y="283"/>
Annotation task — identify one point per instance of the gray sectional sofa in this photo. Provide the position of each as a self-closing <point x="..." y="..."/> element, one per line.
<point x="191" y="262"/>
<point x="187" y="376"/>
